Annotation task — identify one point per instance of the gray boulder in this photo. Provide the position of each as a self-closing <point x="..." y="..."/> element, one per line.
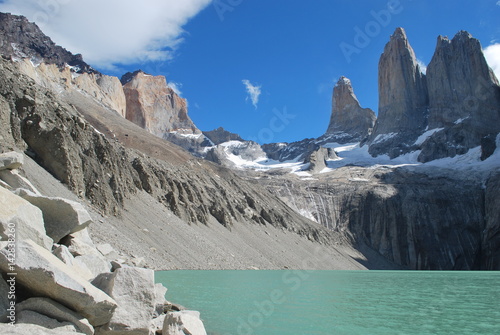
<point x="15" y="181"/>
<point x="54" y="310"/>
<point x="134" y="291"/>
<point x="19" y="216"/>
<point x="43" y="274"/>
<point x="61" y="216"/>
<point x="25" y="328"/>
<point x="34" y="318"/>
<point x="11" y="160"/>
<point x="62" y="252"/>
<point x="183" y="322"/>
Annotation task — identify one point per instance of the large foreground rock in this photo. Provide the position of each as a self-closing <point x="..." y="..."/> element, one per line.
<point x="11" y="160"/>
<point x="17" y="214"/>
<point x="26" y="328"/>
<point x="56" y="311"/>
<point x="61" y="216"/>
<point x="42" y="274"/>
<point x="15" y="181"/>
<point x="183" y="322"/>
<point x="134" y="291"/>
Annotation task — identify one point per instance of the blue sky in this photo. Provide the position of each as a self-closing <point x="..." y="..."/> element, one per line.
<point x="216" y="52"/>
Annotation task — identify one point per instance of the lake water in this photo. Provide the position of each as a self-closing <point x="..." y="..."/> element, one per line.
<point x="339" y="302"/>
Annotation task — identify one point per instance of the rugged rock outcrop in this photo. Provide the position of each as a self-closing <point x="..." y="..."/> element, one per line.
<point x="349" y="122"/>
<point x="464" y="98"/>
<point x="221" y="135"/>
<point x="20" y="38"/>
<point x="42" y="274"/>
<point x="18" y="218"/>
<point x="403" y="99"/>
<point x="154" y="106"/>
<point x="317" y="159"/>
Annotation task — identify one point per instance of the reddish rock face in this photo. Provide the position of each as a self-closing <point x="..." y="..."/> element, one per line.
<point x="155" y="107"/>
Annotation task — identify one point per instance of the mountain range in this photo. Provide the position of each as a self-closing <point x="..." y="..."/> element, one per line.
<point x="412" y="186"/>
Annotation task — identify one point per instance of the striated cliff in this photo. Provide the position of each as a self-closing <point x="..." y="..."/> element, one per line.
<point x="403" y="99"/>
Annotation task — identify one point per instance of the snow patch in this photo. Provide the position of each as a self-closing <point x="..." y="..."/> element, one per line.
<point x="383" y="137"/>
<point x="422" y="138"/>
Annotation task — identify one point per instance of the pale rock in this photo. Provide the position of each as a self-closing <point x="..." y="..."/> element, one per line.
<point x="62" y="252"/>
<point x="183" y="322"/>
<point x="95" y="263"/>
<point x="26" y="328"/>
<point x="157" y="324"/>
<point x="54" y="310"/>
<point x="159" y="302"/>
<point x="11" y="160"/>
<point x="43" y="274"/>
<point x="35" y="318"/>
<point x="134" y="291"/>
<point x="26" y="218"/>
<point x="317" y="159"/>
<point x="15" y="181"/>
<point x="80" y="243"/>
<point x="107" y="251"/>
<point x="61" y="216"/>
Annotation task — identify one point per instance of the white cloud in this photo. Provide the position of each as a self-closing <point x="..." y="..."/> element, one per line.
<point x="175" y="87"/>
<point x="498" y="3"/>
<point x="422" y="65"/>
<point x="113" y="31"/>
<point x="253" y="92"/>
<point x="492" y="54"/>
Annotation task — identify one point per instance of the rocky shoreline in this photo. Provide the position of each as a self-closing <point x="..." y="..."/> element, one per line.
<point x="74" y="285"/>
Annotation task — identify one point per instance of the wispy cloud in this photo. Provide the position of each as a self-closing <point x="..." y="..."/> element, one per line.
<point x="176" y="87"/>
<point x="492" y="54"/>
<point x="253" y="92"/>
<point x="422" y="65"/>
<point x="111" y="32"/>
<point x="498" y="3"/>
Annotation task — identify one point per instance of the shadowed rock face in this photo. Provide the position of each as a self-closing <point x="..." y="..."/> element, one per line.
<point x="154" y="106"/>
<point x="23" y="39"/>
<point x="464" y="98"/>
<point x="349" y="122"/>
<point x="403" y="98"/>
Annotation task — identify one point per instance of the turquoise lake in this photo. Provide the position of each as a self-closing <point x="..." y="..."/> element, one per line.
<point x="290" y="302"/>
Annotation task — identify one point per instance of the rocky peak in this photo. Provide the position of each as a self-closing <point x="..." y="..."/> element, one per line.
<point x="20" y="38"/>
<point x="221" y="135"/>
<point x="349" y="121"/>
<point x="154" y="106"/>
<point x="403" y="98"/>
<point x="464" y="98"/>
<point x="457" y="73"/>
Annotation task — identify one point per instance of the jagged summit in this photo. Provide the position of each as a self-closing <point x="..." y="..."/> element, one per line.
<point x="349" y="122"/>
<point x="403" y="98"/>
<point x="130" y="75"/>
<point x="23" y="39"/>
